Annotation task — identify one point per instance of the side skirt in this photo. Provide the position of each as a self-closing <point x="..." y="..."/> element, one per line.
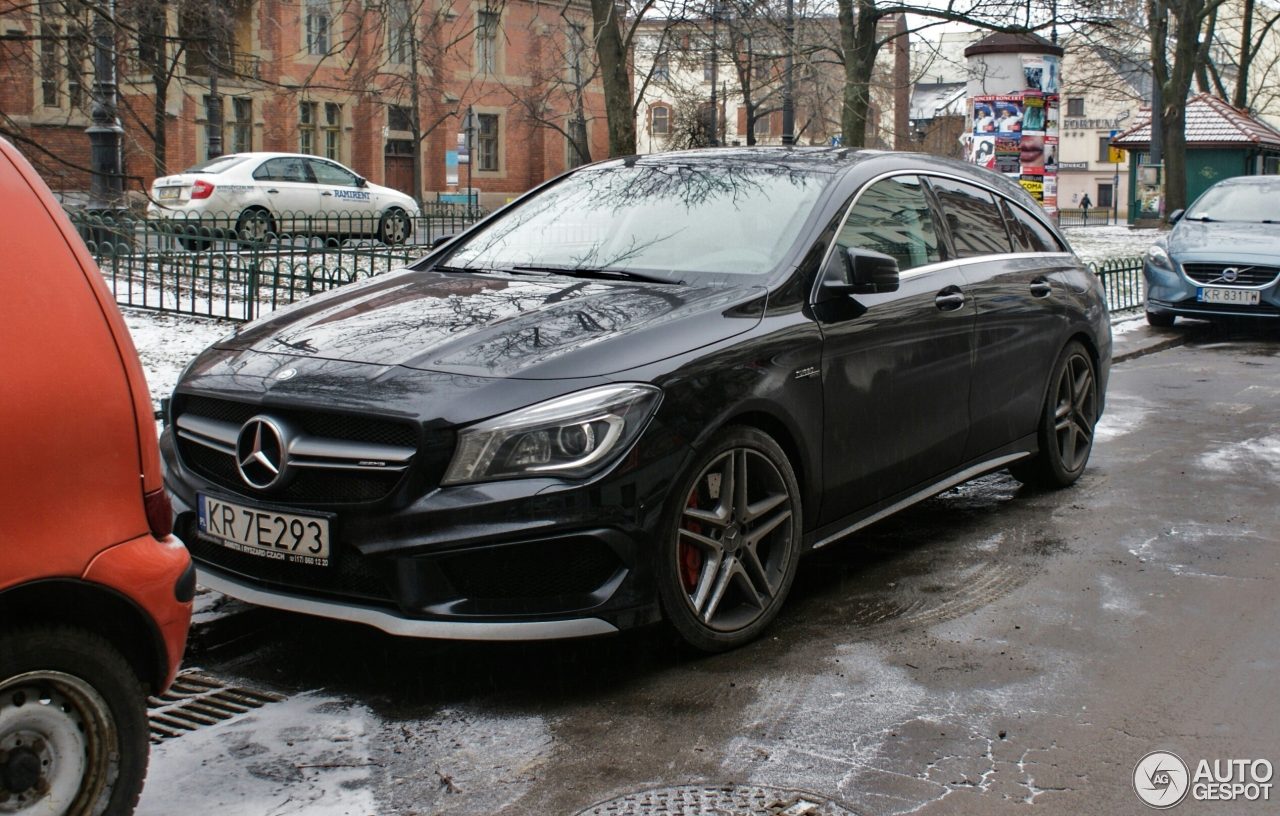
<point x="850" y="524"/>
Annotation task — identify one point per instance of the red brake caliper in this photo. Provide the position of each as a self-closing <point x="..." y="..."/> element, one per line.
<point x="690" y="556"/>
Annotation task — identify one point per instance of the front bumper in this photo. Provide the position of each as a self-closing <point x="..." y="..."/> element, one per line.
<point x="1168" y="292"/>
<point x="524" y="559"/>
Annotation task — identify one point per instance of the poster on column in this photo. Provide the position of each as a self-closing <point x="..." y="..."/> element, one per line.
<point x="1031" y="146"/>
<point x="1050" y="190"/>
<point x="984" y="151"/>
<point x="997" y="114"/>
<point x="1008" y="155"/>
<point x="1040" y="73"/>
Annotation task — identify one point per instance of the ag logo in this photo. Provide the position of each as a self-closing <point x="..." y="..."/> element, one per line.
<point x="1161" y="779"/>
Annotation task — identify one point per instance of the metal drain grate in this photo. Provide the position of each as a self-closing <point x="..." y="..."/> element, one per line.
<point x="719" y="800"/>
<point x="197" y="699"/>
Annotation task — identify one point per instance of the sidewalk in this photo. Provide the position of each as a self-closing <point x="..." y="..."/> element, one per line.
<point x="1133" y="338"/>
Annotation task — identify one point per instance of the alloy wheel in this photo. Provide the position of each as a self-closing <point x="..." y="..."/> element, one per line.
<point x="1075" y="412"/>
<point x="735" y="540"/>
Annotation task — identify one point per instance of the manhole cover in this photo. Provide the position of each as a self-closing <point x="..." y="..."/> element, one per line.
<point x="719" y="800"/>
<point x="197" y="699"/>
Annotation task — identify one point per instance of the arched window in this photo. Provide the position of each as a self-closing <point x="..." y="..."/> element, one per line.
<point x="659" y="120"/>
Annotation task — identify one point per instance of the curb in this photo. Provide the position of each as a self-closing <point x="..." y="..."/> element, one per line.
<point x="1164" y="344"/>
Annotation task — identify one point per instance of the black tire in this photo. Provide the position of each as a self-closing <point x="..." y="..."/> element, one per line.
<point x="254" y="226"/>
<point x="1161" y="320"/>
<point x="754" y="565"/>
<point x="395" y="228"/>
<point x="101" y="699"/>
<point x="1067" y="421"/>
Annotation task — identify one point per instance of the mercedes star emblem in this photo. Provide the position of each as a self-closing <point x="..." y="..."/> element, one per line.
<point x="262" y="452"/>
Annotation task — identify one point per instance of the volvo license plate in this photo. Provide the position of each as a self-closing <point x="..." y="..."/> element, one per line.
<point x="267" y="533"/>
<point x="1242" y="297"/>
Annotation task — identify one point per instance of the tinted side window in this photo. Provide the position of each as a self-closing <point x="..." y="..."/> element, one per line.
<point x="283" y="169"/>
<point x="973" y="217"/>
<point x="1028" y="234"/>
<point x="892" y="216"/>
<point x="327" y="173"/>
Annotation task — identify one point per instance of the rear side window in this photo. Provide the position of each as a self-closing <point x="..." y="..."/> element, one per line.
<point x="287" y="168"/>
<point x="892" y="216"/>
<point x="977" y="228"/>
<point x="1028" y="234"/>
<point x="327" y="173"/>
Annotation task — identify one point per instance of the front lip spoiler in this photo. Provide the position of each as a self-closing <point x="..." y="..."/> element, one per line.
<point x="405" y="627"/>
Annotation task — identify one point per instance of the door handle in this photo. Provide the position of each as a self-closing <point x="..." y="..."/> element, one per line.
<point x="328" y="194"/>
<point x="273" y="191"/>
<point x="1041" y="288"/>
<point x="949" y="299"/>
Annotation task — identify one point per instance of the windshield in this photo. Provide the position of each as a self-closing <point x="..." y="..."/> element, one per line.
<point x="217" y="165"/>
<point x="676" y="221"/>
<point x="1257" y="203"/>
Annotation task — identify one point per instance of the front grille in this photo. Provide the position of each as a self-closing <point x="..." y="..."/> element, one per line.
<point x="571" y="566"/>
<point x="1263" y="308"/>
<point x="348" y="575"/>
<point x="1211" y="273"/>
<point x="311" y="485"/>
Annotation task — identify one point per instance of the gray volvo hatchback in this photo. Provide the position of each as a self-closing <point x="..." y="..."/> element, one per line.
<point x="641" y="392"/>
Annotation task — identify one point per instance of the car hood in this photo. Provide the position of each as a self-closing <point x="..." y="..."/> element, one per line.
<point x="1225" y="241"/>
<point x="497" y="325"/>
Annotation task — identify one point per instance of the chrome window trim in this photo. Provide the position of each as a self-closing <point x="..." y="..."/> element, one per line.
<point x="941" y="265"/>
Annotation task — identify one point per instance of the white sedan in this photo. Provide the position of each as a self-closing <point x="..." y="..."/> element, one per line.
<point x="258" y="194"/>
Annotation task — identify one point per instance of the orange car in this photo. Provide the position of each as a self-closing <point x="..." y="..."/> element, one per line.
<point x="95" y="593"/>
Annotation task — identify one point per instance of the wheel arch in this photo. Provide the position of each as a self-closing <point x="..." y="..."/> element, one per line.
<point x="788" y="439"/>
<point x="94" y="608"/>
<point x="1096" y="356"/>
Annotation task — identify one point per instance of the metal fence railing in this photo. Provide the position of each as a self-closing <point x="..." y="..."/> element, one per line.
<point x="1122" y="283"/>
<point x="1094" y="217"/>
<point x="243" y="265"/>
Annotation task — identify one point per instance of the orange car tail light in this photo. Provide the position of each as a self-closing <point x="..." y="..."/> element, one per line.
<point x="159" y="513"/>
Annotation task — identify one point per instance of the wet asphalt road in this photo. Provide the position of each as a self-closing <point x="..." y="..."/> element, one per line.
<point x="987" y="649"/>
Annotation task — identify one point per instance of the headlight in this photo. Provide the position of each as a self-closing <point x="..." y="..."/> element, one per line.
<point x="1157" y="257"/>
<point x="572" y="436"/>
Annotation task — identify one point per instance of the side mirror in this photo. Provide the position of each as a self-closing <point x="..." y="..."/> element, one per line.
<point x="1176" y="216"/>
<point x="859" y="272"/>
<point x="361" y="181"/>
<point x="442" y="240"/>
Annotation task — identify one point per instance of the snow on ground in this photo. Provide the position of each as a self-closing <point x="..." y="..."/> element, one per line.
<point x="167" y="342"/>
<point x="1098" y="244"/>
<point x="306" y="755"/>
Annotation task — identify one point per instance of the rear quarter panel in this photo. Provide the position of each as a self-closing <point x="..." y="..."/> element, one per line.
<point x="71" y="473"/>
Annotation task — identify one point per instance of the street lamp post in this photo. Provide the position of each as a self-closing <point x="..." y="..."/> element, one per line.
<point x="788" y="104"/>
<point x="106" y="189"/>
<point x="213" y="134"/>
<point x="469" y="130"/>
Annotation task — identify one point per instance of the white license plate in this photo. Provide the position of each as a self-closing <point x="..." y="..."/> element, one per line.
<point x="1244" y="297"/>
<point x="169" y="193"/>
<point x="252" y="530"/>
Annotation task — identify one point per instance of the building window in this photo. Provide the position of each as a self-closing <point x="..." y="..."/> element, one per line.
<point x="764" y="125"/>
<point x="307" y="128"/>
<point x="661" y="68"/>
<point x="1106" y="196"/>
<point x="399" y="31"/>
<point x="399" y="118"/>
<point x="487" y="142"/>
<point x="242" y="126"/>
<point x="212" y="123"/>
<point x="708" y="68"/>
<point x="1104" y="149"/>
<point x="760" y="69"/>
<point x="50" y="69"/>
<point x="318" y="21"/>
<point x="77" y="53"/>
<point x="579" y="152"/>
<point x="332" y="131"/>
<point x="486" y="42"/>
<point x="659" y="120"/>
<point x="1075" y="106"/>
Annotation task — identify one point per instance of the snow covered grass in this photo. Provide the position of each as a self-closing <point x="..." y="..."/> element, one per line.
<point x="167" y="342"/>
<point x="1098" y="244"/>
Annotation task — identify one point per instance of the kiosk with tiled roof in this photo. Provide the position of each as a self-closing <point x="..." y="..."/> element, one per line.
<point x="1222" y="142"/>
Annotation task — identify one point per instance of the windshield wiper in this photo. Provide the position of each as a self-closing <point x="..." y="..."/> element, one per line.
<point x="602" y="274"/>
<point x="1200" y="218"/>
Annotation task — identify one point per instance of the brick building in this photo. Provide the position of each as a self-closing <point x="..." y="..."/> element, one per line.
<point x="370" y="84"/>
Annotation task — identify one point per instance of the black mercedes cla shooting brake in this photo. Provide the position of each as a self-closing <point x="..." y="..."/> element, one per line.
<point x="640" y="392"/>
